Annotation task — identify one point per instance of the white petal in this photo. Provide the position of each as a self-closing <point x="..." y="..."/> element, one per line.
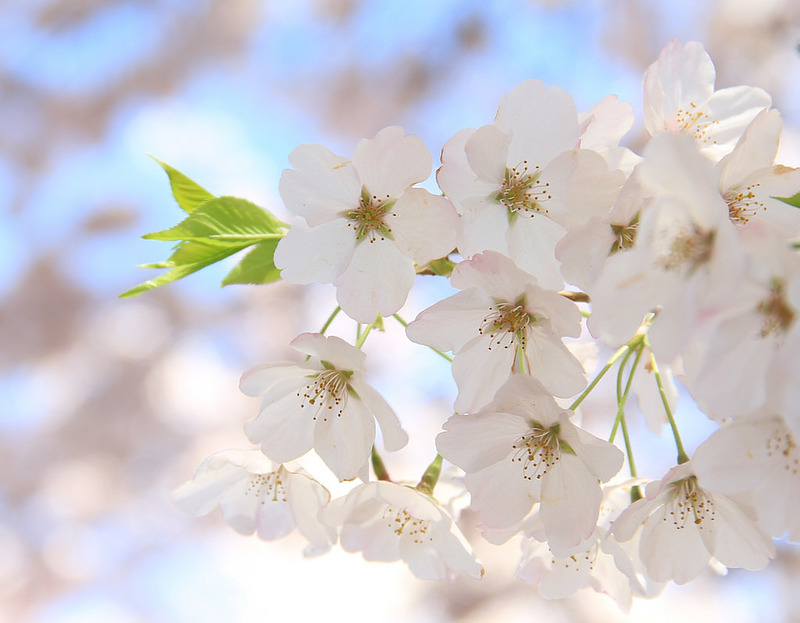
<point x="344" y="442"/>
<point x="391" y="162"/>
<point x="394" y="437"/>
<point x="423" y="225"/>
<point x="317" y="254"/>
<point x="377" y="281"/>
<point x="473" y="442"/>
<point x="321" y="186"/>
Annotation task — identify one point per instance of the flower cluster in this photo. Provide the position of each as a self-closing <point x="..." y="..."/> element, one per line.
<point x="684" y="259"/>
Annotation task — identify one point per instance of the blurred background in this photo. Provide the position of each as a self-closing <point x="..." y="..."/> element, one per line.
<point x="107" y="405"/>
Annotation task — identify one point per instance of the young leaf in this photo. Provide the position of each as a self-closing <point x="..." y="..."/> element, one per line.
<point x="225" y="220"/>
<point x="187" y="193"/>
<point x="256" y="267"/>
<point x="794" y="200"/>
<point x="188" y="258"/>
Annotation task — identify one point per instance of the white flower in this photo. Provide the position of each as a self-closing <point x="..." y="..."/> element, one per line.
<point x="322" y="403"/>
<point x="256" y="495"/>
<point x="522" y="449"/>
<point x="750" y="360"/>
<point x="363" y="227"/>
<point x="387" y="522"/>
<point x="750" y="182"/>
<point x="757" y="455"/>
<point x="679" y="97"/>
<point x="683" y="525"/>
<point x="502" y="322"/>
<point x="599" y="562"/>
<point x="685" y="261"/>
<point x="521" y="181"/>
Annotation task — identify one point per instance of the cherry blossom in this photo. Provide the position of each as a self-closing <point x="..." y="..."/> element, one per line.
<point x="757" y="455"/>
<point x="256" y="495"/>
<point x="750" y="182"/>
<point x="500" y="323"/>
<point x="521" y="181"/>
<point x="360" y="225"/>
<point x="521" y="449"/>
<point x="749" y="359"/>
<point x="599" y="561"/>
<point x="683" y="525"/>
<point x="686" y="259"/>
<point x="387" y="522"/>
<point x="679" y="97"/>
<point x="322" y="403"/>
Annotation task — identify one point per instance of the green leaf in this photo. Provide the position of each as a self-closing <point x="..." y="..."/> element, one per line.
<point x="794" y="200"/>
<point x="187" y="193"/>
<point x="256" y="267"/>
<point x="188" y="258"/>
<point x="225" y="220"/>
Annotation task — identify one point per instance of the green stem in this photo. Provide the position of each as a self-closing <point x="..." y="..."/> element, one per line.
<point x="330" y="320"/>
<point x="621" y="351"/>
<point x="378" y="467"/>
<point x="435" y="350"/>
<point x="682" y="456"/>
<point x="431" y="476"/>
<point x="362" y="335"/>
<point x="620" y="372"/>
<point x="622" y="399"/>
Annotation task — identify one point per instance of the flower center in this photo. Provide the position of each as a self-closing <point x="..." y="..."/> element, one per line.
<point x="689" y="250"/>
<point x="523" y="192"/>
<point x="326" y="394"/>
<point x="538" y="450"/>
<point x="743" y="205"/>
<point x="507" y="324"/>
<point x="368" y="219"/>
<point x="782" y="444"/>
<point x="690" y="503"/>
<point x="625" y="235"/>
<point x="400" y="522"/>
<point x="264" y="486"/>
<point x="695" y="122"/>
<point x="778" y="315"/>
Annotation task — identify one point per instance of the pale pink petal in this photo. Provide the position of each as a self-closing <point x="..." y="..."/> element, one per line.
<point x="452" y="322"/>
<point x="480" y="369"/>
<point x="542" y="121"/>
<point x="423" y="225"/>
<point x="473" y="442"/>
<point x="394" y="437"/>
<point x="492" y="273"/>
<point x="755" y="150"/>
<point x="486" y="151"/>
<point x="672" y="552"/>
<point x="740" y="542"/>
<point x="284" y="431"/>
<point x="483" y="226"/>
<point x="391" y="162"/>
<point x="321" y="186"/>
<point x="320" y="254"/>
<point x="306" y="498"/>
<point x="500" y="494"/>
<point x="334" y="350"/>
<point x="344" y="441"/>
<point x="376" y="282"/>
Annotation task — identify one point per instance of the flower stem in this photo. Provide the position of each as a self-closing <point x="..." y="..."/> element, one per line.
<point x="362" y="335"/>
<point x="378" y="467"/>
<point x="621" y="351"/>
<point x="431" y="476"/>
<point x="330" y="320"/>
<point x="435" y="350"/>
<point x="682" y="456"/>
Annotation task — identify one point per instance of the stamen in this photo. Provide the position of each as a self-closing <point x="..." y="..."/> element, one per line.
<point x="368" y="219"/>
<point x="507" y="324"/>
<point x="400" y="521"/>
<point x="778" y="315"/>
<point x="266" y="485"/>
<point x="690" y="503"/>
<point x="742" y="204"/>
<point x="783" y="445"/>
<point x="538" y="450"/>
<point x="625" y="235"/>
<point x="523" y="192"/>
<point x="695" y="122"/>
<point x="326" y="394"/>
<point x="689" y="250"/>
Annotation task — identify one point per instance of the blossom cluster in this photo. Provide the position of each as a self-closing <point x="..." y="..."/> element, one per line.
<point x="683" y="258"/>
